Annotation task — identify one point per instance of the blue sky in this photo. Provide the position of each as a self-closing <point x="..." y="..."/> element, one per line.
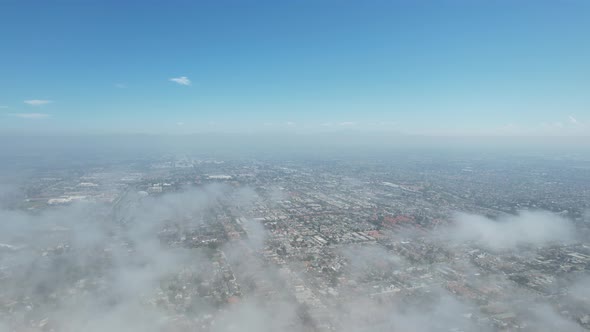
<point x="414" y="67"/>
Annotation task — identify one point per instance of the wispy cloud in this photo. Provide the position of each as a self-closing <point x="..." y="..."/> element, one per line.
<point x="347" y="123"/>
<point x="180" y="123"/>
<point x="120" y="86"/>
<point x="574" y="120"/>
<point x="182" y="80"/>
<point x="33" y="116"/>
<point x="37" y="102"/>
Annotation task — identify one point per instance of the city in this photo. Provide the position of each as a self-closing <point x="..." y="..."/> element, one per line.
<point x="412" y="242"/>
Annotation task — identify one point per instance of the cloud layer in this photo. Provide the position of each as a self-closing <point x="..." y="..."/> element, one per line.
<point x="37" y="102"/>
<point x="33" y="116"/>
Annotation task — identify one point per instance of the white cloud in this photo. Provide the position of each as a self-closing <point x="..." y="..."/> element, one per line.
<point x="33" y="116"/>
<point x="536" y="228"/>
<point x="183" y="80"/>
<point x="37" y="102"/>
<point x="290" y="123"/>
<point x="574" y="120"/>
<point x="180" y="123"/>
<point x="347" y="123"/>
<point x="120" y="86"/>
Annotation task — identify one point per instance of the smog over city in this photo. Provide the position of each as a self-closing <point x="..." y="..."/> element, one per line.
<point x="294" y="166"/>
